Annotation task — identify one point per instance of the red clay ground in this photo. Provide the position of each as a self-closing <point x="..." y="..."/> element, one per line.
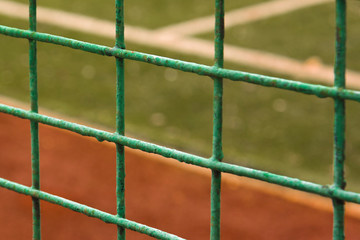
<point x="158" y="194"/>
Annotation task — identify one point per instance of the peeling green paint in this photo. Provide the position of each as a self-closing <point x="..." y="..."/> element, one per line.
<point x="186" y="157"/>
<point x="88" y="211"/>
<point x="339" y="120"/>
<point x="120" y="116"/>
<point x="34" y="126"/>
<point x="217" y="152"/>
<point x="200" y="69"/>
<point x="218" y="73"/>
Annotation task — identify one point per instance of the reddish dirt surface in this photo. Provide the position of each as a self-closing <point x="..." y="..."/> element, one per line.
<point x="157" y="194"/>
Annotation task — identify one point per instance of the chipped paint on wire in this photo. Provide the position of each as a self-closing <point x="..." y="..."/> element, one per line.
<point x="200" y="69"/>
<point x="336" y="191"/>
<point x="34" y="125"/>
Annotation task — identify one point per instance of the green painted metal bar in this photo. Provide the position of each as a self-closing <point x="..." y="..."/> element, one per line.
<point x="339" y="122"/>
<point x="120" y="116"/>
<point x="336" y="191"/>
<point x="200" y="69"/>
<point x="34" y="126"/>
<point x="88" y="211"/>
<point x="323" y="190"/>
<point x="217" y="154"/>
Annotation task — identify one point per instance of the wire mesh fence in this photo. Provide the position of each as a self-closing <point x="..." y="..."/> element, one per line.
<point x="218" y="74"/>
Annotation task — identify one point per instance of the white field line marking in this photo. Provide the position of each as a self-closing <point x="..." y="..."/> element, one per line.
<point x="182" y="44"/>
<point x="315" y="71"/>
<point x="64" y="19"/>
<point x="241" y="16"/>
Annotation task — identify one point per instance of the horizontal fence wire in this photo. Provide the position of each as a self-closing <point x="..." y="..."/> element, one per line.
<point x="323" y="190"/>
<point x="200" y="69"/>
<point x="88" y="211"/>
<point x="338" y="92"/>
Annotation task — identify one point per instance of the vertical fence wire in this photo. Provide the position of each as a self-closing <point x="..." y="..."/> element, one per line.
<point x="34" y="126"/>
<point x="339" y="122"/>
<point x="120" y="117"/>
<point x="217" y="154"/>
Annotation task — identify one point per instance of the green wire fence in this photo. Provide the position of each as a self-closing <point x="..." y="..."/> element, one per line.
<point x="338" y="92"/>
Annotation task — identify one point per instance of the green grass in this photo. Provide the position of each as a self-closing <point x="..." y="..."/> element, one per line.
<point x="275" y="130"/>
<point x="301" y="34"/>
<point x="145" y="13"/>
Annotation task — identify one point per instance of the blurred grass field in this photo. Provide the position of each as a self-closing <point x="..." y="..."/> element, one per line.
<point x="270" y="129"/>
<point x="302" y="34"/>
<point x="144" y="13"/>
